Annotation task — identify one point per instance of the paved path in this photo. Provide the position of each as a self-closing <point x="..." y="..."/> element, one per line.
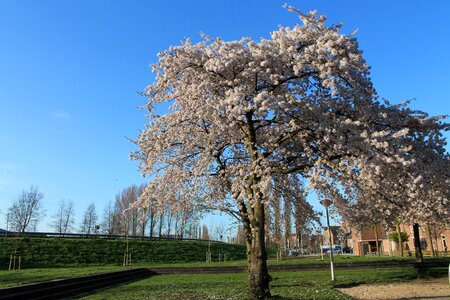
<point x="434" y="289"/>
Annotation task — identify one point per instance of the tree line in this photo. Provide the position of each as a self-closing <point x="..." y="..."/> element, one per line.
<point x="120" y="217"/>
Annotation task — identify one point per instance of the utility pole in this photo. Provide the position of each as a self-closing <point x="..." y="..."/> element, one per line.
<point x="326" y="203"/>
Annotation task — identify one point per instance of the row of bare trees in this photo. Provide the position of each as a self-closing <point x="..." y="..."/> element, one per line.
<point x="289" y="214"/>
<point x="123" y="217"/>
<point x="120" y="216"/>
<point x="26" y="211"/>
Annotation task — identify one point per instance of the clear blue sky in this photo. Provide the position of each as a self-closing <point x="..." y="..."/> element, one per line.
<point x="70" y="72"/>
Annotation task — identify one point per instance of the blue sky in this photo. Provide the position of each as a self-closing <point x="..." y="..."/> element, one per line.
<point x="70" y="72"/>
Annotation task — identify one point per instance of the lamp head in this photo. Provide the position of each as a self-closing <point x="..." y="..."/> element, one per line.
<point x="326" y="202"/>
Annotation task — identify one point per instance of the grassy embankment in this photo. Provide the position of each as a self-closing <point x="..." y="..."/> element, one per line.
<point x="55" y="252"/>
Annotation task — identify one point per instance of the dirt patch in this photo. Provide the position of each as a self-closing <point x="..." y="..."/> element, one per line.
<point x="435" y="289"/>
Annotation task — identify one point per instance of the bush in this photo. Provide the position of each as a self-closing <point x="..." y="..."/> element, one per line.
<point x="393" y="236"/>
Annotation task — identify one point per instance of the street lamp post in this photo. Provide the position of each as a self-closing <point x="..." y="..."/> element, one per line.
<point x="326" y="203"/>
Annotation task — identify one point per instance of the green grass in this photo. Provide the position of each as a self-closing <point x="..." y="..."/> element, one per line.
<point x="51" y="252"/>
<point x="289" y="285"/>
<point x="217" y="286"/>
<point x="58" y="252"/>
<point x="11" y="278"/>
<point x="310" y="260"/>
<point x="28" y="275"/>
<point x="340" y="258"/>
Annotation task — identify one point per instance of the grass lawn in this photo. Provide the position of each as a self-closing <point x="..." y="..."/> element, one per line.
<point x="307" y="260"/>
<point x="340" y="258"/>
<point x="10" y="278"/>
<point x="289" y="285"/>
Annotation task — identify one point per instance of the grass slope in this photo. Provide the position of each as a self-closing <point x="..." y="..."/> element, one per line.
<point x="74" y="251"/>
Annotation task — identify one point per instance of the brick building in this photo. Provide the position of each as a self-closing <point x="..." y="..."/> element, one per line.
<point x="337" y="236"/>
<point x="363" y="240"/>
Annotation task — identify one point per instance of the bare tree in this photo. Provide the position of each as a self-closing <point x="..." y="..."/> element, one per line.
<point x="205" y="234"/>
<point x="240" y="235"/>
<point x="133" y="220"/>
<point x="169" y="217"/>
<point x="144" y="215"/>
<point x="27" y="210"/>
<point x="130" y="196"/>
<point x="89" y="221"/>
<point x="220" y="231"/>
<point x="152" y="221"/>
<point x="161" y="224"/>
<point x="128" y="219"/>
<point x="153" y="215"/>
<point x="64" y="218"/>
<point x="109" y="221"/>
<point x="120" y="220"/>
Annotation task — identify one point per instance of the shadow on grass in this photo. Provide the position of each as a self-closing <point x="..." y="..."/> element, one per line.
<point x="347" y="285"/>
<point x="432" y="273"/>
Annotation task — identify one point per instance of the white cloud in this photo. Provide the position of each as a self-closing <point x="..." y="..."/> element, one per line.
<point x="60" y="115"/>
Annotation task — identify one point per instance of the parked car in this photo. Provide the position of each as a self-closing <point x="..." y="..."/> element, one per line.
<point x="336" y="249"/>
<point x="294" y="252"/>
<point x="348" y="250"/>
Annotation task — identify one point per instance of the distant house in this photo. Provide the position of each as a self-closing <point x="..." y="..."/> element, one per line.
<point x="363" y="240"/>
<point x="306" y="241"/>
<point x="337" y="235"/>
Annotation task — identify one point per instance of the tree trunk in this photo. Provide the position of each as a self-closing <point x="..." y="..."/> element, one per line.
<point x="376" y="239"/>
<point x="160" y="225"/>
<point x="389" y="242"/>
<point x="400" y="242"/>
<point x="277" y="222"/>
<point x="267" y="232"/>
<point x="258" y="274"/>
<point x="169" y="223"/>
<point x="183" y="225"/>
<point x="152" y="217"/>
<point x="417" y="246"/>
<point x="143" y="229"/>
<point x="287" y="222"/>
<point x="430" y="240"/>
<point x="300" y="238"/>
<point x="436" y="240"/>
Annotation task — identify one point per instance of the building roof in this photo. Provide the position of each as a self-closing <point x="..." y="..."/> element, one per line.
<point x="334" y="229"/>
